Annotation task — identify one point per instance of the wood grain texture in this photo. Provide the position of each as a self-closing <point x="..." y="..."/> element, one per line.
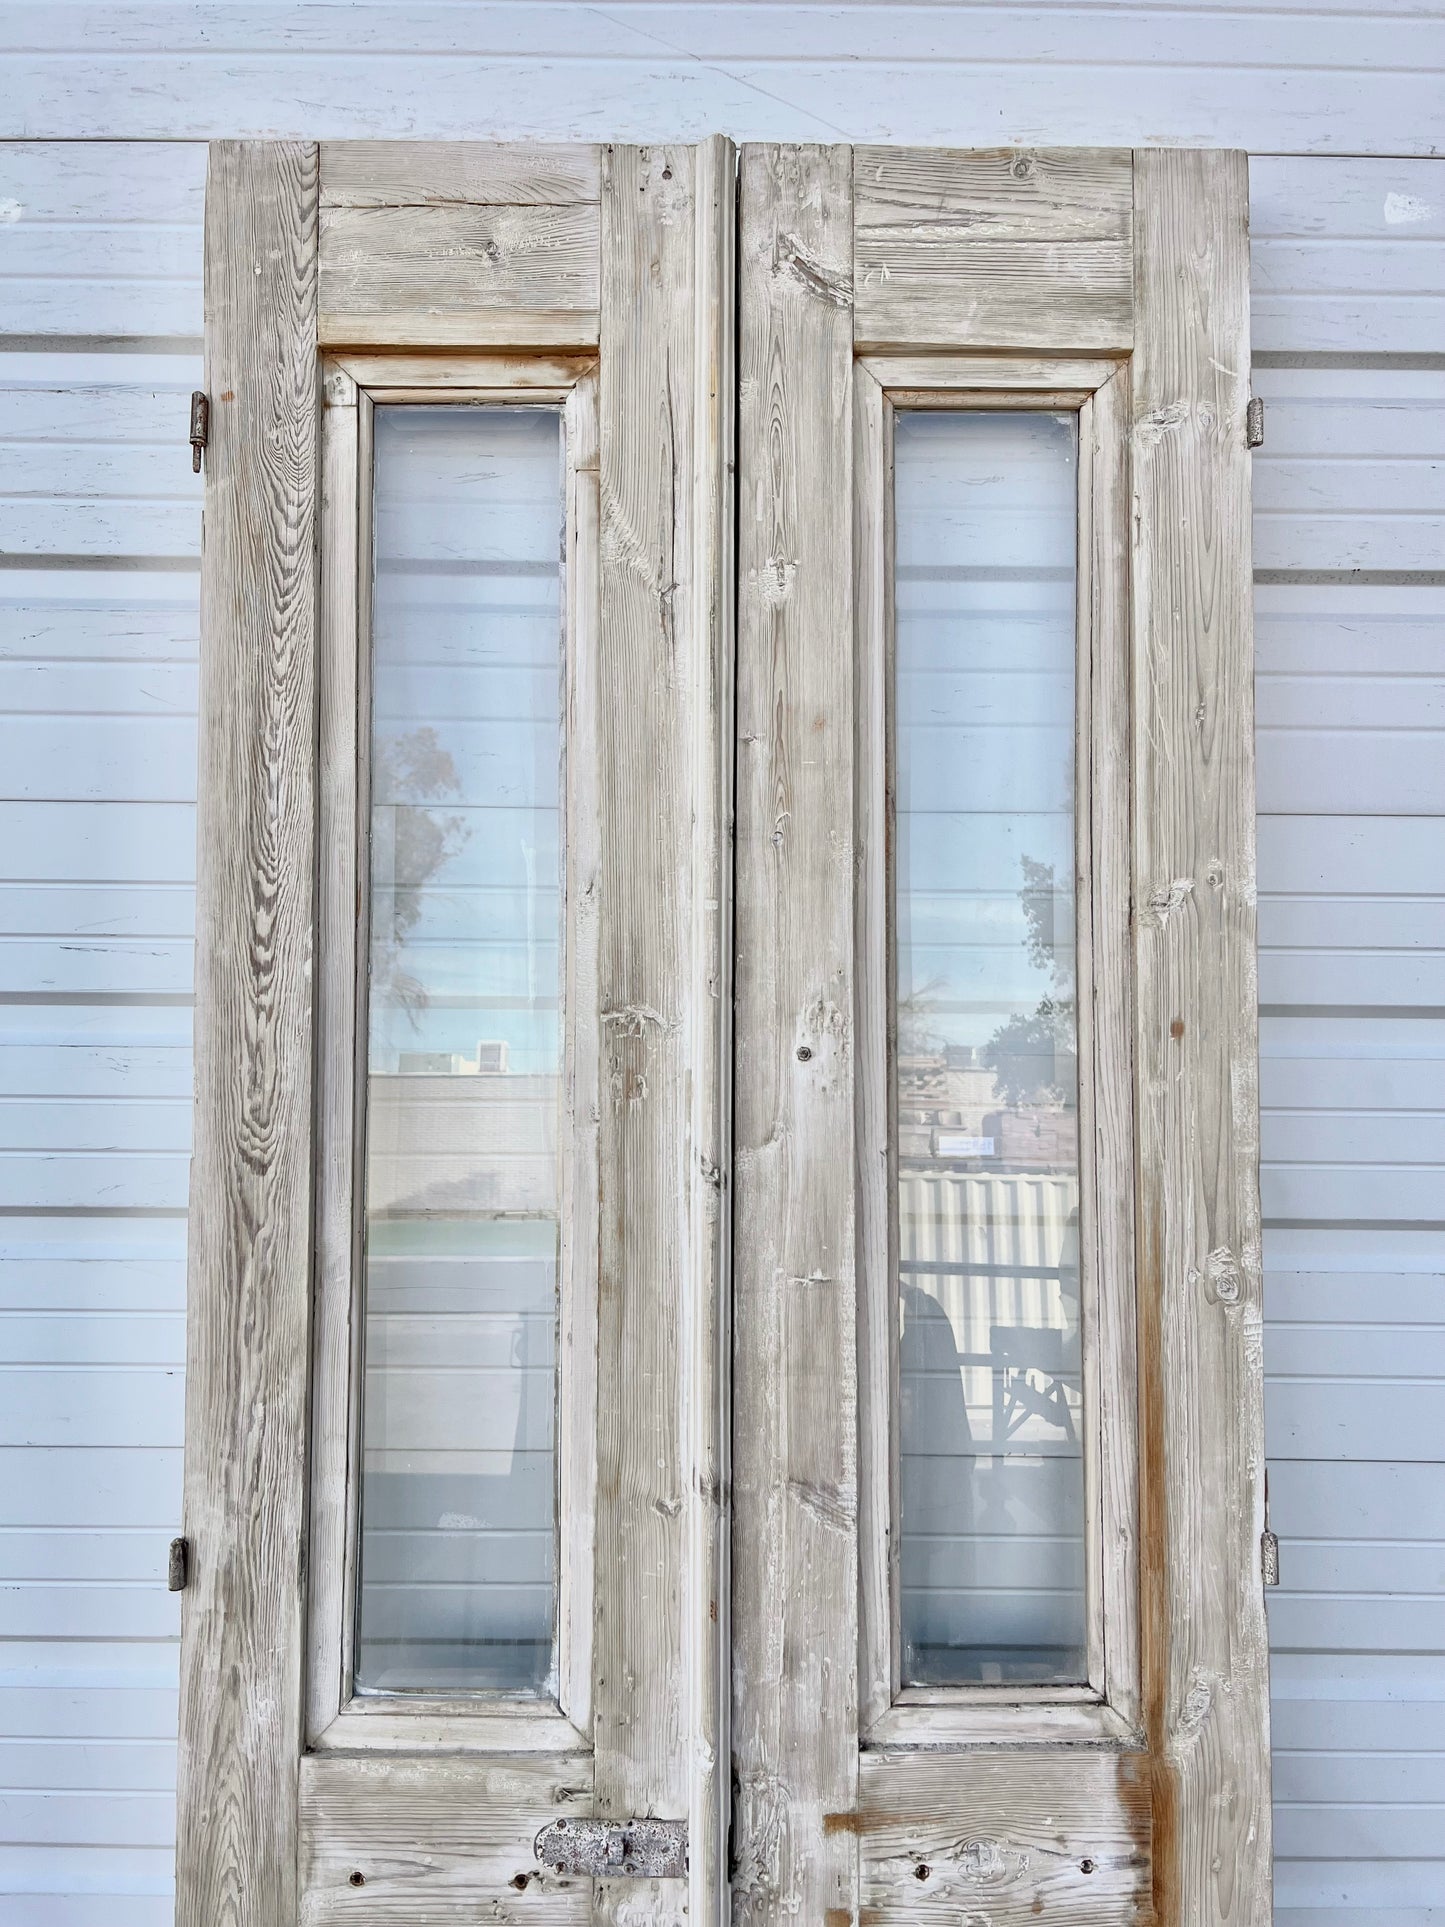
<point x="439" y="1843"/>
<point x="250" y="1252"/>
<point x="874" y="1050"/>
<point x="1106" y="1086"/>
<point x="345" y="537"/>
<point x="709" y="1051"/>
<point x="660" y="1153"/>
<point x="993" y="249"/>
<point x="795" y="1742"/>
<point x="1006" y="1837"/>
<point x="914" y="291"/>
<point x="453" y="173"/>
<point x="460" y="276"/>
<point x="955" y="195"/>
<point x="1205" y="1663"/>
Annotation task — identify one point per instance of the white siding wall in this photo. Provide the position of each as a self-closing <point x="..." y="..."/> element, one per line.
<point x="99" y="527"/>
<point x="1349" y="280"/>
<point x="99" y="327"/>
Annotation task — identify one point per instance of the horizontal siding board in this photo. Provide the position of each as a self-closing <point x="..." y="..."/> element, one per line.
<point x="90" y="1556"/>
<point x="1408" y="978"/>
<point x="134" y="1407"/>
<point x="1356" y="1419"/>
<point x="115" y="759"/>
<point x="968" y="75"/>
<point x="109" y="842"/>
<point x="1360" y="855"/>
<point x="1353" y="1829"/>
<point x="1376" y="1621"/>
<point x="95" y="1871"/>
<point x="83" y="1125"/>
<point x="137" y="1765"/>
<point x="1385" y="1499"/>
<point x="93" y="1486"/>
<point x="1348" y="1191"/>
<point x="1341" y="1298"/>
<point x="69" y="1180"/>
<point x="121" y="1337"/>
<point x="98" y="1610"/>
<point x="81" y="1070"/>
<point x="93" y="911"/>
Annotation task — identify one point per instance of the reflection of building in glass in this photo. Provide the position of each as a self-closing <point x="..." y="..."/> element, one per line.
<point x="949" y="1113"/>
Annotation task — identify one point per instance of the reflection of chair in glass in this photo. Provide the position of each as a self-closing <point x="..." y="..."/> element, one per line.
<point x="1021" y="1356"/>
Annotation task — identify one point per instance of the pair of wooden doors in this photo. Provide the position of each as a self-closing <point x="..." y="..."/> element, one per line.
<point x="682" y="1331"/>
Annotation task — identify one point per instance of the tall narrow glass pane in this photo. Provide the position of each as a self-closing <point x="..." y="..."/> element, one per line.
<point x="464" y="1043"/>
<point x="991" y="1470"/>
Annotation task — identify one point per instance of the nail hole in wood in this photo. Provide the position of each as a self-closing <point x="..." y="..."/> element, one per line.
<point x="804" y="1053"/>
<point x="1086" y="1866"/>
<point x="358" y="1879"/>
<point x="921" y="1872"/>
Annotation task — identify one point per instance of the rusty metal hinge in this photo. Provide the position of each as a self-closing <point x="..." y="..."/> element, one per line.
<point x="613" y="1849"/>
<point x="1254" y="422"/>
<point x="1269" y="1557"/>
<point x="200" y="427"/>
<point x="1268" y="1546"/>
<point x="178" y="1567"/>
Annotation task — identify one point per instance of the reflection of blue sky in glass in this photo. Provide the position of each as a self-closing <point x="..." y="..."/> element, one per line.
<point x="467" y="615"/>
<point x="988" y="778"/>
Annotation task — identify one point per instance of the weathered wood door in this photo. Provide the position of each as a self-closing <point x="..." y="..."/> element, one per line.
<point x="455" y="1429"/>
<point x="756" y="1332"/>
<point x="999" y="1634"/>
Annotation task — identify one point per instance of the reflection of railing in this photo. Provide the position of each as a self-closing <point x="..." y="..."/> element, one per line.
<point x="998" y="1254"/>
<point x="1003" y="1247"/>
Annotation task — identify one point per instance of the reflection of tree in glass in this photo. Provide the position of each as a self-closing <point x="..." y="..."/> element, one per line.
<point x="407" y="771"/>
<point x="916" y="1035"/>
<point x="1034" y="1056"/>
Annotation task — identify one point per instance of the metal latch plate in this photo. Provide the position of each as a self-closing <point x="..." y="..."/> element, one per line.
<point x="615" y="1849"/>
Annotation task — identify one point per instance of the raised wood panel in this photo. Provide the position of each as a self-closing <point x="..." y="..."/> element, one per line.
<point x="1007" y="1837"/>
<point x="993" y="250"/>
<point x="994" y="194"/>
<point x="909" y="293"/>
<point x="249" y="1281"/>
<point x="795" y="1738"/>
<point x="436" y="1846"/>
<point x="1205" y="1654"/>
<point x="460" y="275"/>
<point x="450" y="173"/>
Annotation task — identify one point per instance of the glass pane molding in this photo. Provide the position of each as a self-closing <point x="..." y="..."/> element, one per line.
<point x="464" y="1044"/>
<point x="987" y="1200"/>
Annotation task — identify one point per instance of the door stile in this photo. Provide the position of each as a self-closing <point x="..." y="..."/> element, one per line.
<point x="663" y="671"/>
<point x="709" y="1014"/>
<point x="1206" y="1686"/>
<point x="795" y="1583"/>
<point x="249" y="1272"/>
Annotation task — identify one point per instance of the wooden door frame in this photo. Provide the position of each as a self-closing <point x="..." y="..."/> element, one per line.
<point x="625" y="252"/>
<point x="1141" y="257"/>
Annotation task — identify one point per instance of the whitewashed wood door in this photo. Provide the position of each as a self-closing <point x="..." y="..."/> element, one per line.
<point x="341" y="280"/>
<point x="1113" y="285"/>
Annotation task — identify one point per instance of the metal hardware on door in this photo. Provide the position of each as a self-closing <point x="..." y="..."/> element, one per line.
<point x="615" y="1849"/>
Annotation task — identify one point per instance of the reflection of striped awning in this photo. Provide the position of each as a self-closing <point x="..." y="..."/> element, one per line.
<point x="995" y="1249"/>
